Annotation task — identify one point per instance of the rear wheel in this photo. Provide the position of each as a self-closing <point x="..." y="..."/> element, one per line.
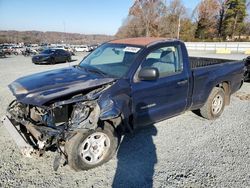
<point x="92" y="148"/>
<point x="214" y="105"/>
<point x="68" y="59"/>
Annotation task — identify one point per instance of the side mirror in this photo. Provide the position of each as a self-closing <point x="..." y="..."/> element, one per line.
<point x="149" y="73"/>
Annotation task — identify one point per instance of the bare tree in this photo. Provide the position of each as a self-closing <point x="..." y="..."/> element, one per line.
<point x="155" y="18"/>
<point x="143" y="19"/>
<point x="149" y="12"/>
<point x="206" y="14"/>
<point x="171" y="22"/>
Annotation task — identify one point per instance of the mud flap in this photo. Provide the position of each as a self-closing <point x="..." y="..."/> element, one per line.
<point x="25" y="148"/>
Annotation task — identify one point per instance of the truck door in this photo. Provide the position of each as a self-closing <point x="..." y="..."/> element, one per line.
<point x="166" y="96"/>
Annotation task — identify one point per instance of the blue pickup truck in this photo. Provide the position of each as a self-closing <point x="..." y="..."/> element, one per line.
<point x="121" y="86"/>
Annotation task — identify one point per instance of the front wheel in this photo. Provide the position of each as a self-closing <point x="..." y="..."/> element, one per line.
<point x="92" y="148"/>
<point x="52" y="61"/>
<point x="68" y="59"/>
<point x="214" y="105"/>
<point x="246" y="76"/>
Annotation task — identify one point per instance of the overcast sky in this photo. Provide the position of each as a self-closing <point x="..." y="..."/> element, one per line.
<point x="80" y="16"/>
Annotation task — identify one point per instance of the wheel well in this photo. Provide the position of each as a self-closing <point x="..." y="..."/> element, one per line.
<point x="226" y="87"/>
<point x="121" y="124"/>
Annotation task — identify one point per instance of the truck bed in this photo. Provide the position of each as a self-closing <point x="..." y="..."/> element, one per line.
<point x="196" y="62"/>
<point x="208" y="72"/>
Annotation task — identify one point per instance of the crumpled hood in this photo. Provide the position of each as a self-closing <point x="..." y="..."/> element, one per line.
<point x="40" y="88"/>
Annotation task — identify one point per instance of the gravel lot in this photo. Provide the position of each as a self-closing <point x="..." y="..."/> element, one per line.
<point x="184" y="151"/>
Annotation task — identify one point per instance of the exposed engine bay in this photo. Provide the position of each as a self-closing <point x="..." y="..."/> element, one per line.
<point x="49" y="127"/>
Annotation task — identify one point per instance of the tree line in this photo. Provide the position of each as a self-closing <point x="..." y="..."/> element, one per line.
<point x="211" y="20"/>
<point x="12" y="36"/>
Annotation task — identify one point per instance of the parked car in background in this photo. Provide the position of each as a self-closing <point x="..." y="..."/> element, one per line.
<point x="29" y="52"/>
<point x="34" y="45"/>
<point x="16" y="51"/>
<point x="7" y="50"/>
<point x="10" y="49"/>
<point x="41" y="48"/>
<point x="2" y="53"/>
<point x="70" y="50"/>
<point x="52" y="56"/>
<point x="247" y="72"/>
<point x="60" y="47"/>
<point x="93" y="47"/>
<point x="83" y="48"/>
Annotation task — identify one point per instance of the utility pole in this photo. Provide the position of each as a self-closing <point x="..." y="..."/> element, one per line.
<point x="179" y="27"/>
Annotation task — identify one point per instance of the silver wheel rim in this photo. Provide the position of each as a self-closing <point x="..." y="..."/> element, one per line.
<point x="94" y="148"/>
<point x="217" y="104"/>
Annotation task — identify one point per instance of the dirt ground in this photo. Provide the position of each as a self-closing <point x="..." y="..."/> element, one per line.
<point x="184" y="151"/>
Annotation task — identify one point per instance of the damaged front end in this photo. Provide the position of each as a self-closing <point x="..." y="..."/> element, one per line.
<point x="37" y="129"/>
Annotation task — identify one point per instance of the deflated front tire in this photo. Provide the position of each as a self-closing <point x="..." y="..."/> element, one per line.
<point x="92" y="148"/>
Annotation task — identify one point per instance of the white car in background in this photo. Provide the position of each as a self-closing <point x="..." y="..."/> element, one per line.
<point x="83" y="48"/>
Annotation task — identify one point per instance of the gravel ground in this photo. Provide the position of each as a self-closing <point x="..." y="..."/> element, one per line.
<point x="184" y="151"/>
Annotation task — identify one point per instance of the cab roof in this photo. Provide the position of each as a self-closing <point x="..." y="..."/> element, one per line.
<point x="140" y="41"/>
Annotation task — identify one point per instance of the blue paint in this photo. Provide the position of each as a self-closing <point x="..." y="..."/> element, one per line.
<point x="145" y="101"/>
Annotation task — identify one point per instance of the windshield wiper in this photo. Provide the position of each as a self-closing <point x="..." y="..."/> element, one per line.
<point x="92" y="69"/>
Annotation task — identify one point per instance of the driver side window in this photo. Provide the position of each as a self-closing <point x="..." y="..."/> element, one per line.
<point x="166" y="59"/>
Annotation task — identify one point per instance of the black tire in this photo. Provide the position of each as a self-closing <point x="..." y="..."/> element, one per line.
<point x="68" y="59"/>
<point x="52" y="61"/>
<point x="75" y="145"/>
<point x="208" y="111"/>
<point x="246" y="76"/>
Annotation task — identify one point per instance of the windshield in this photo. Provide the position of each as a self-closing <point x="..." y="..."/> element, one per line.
<point x="111" y="59"/>
<point x="48" y="51"/>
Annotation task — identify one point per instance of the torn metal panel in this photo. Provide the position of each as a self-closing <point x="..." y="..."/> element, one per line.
<point x="92" y="95"/>
<point x="49" y="125"/>
<point x="25" y="148"/>
<point x="109" y="109"/>
<point x="85" y="115"/>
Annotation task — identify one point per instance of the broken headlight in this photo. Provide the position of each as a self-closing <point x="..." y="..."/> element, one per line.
<point x="79" y="114"/>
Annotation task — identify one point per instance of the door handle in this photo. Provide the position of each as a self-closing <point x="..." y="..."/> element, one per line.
<point x="182" y="82"/>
